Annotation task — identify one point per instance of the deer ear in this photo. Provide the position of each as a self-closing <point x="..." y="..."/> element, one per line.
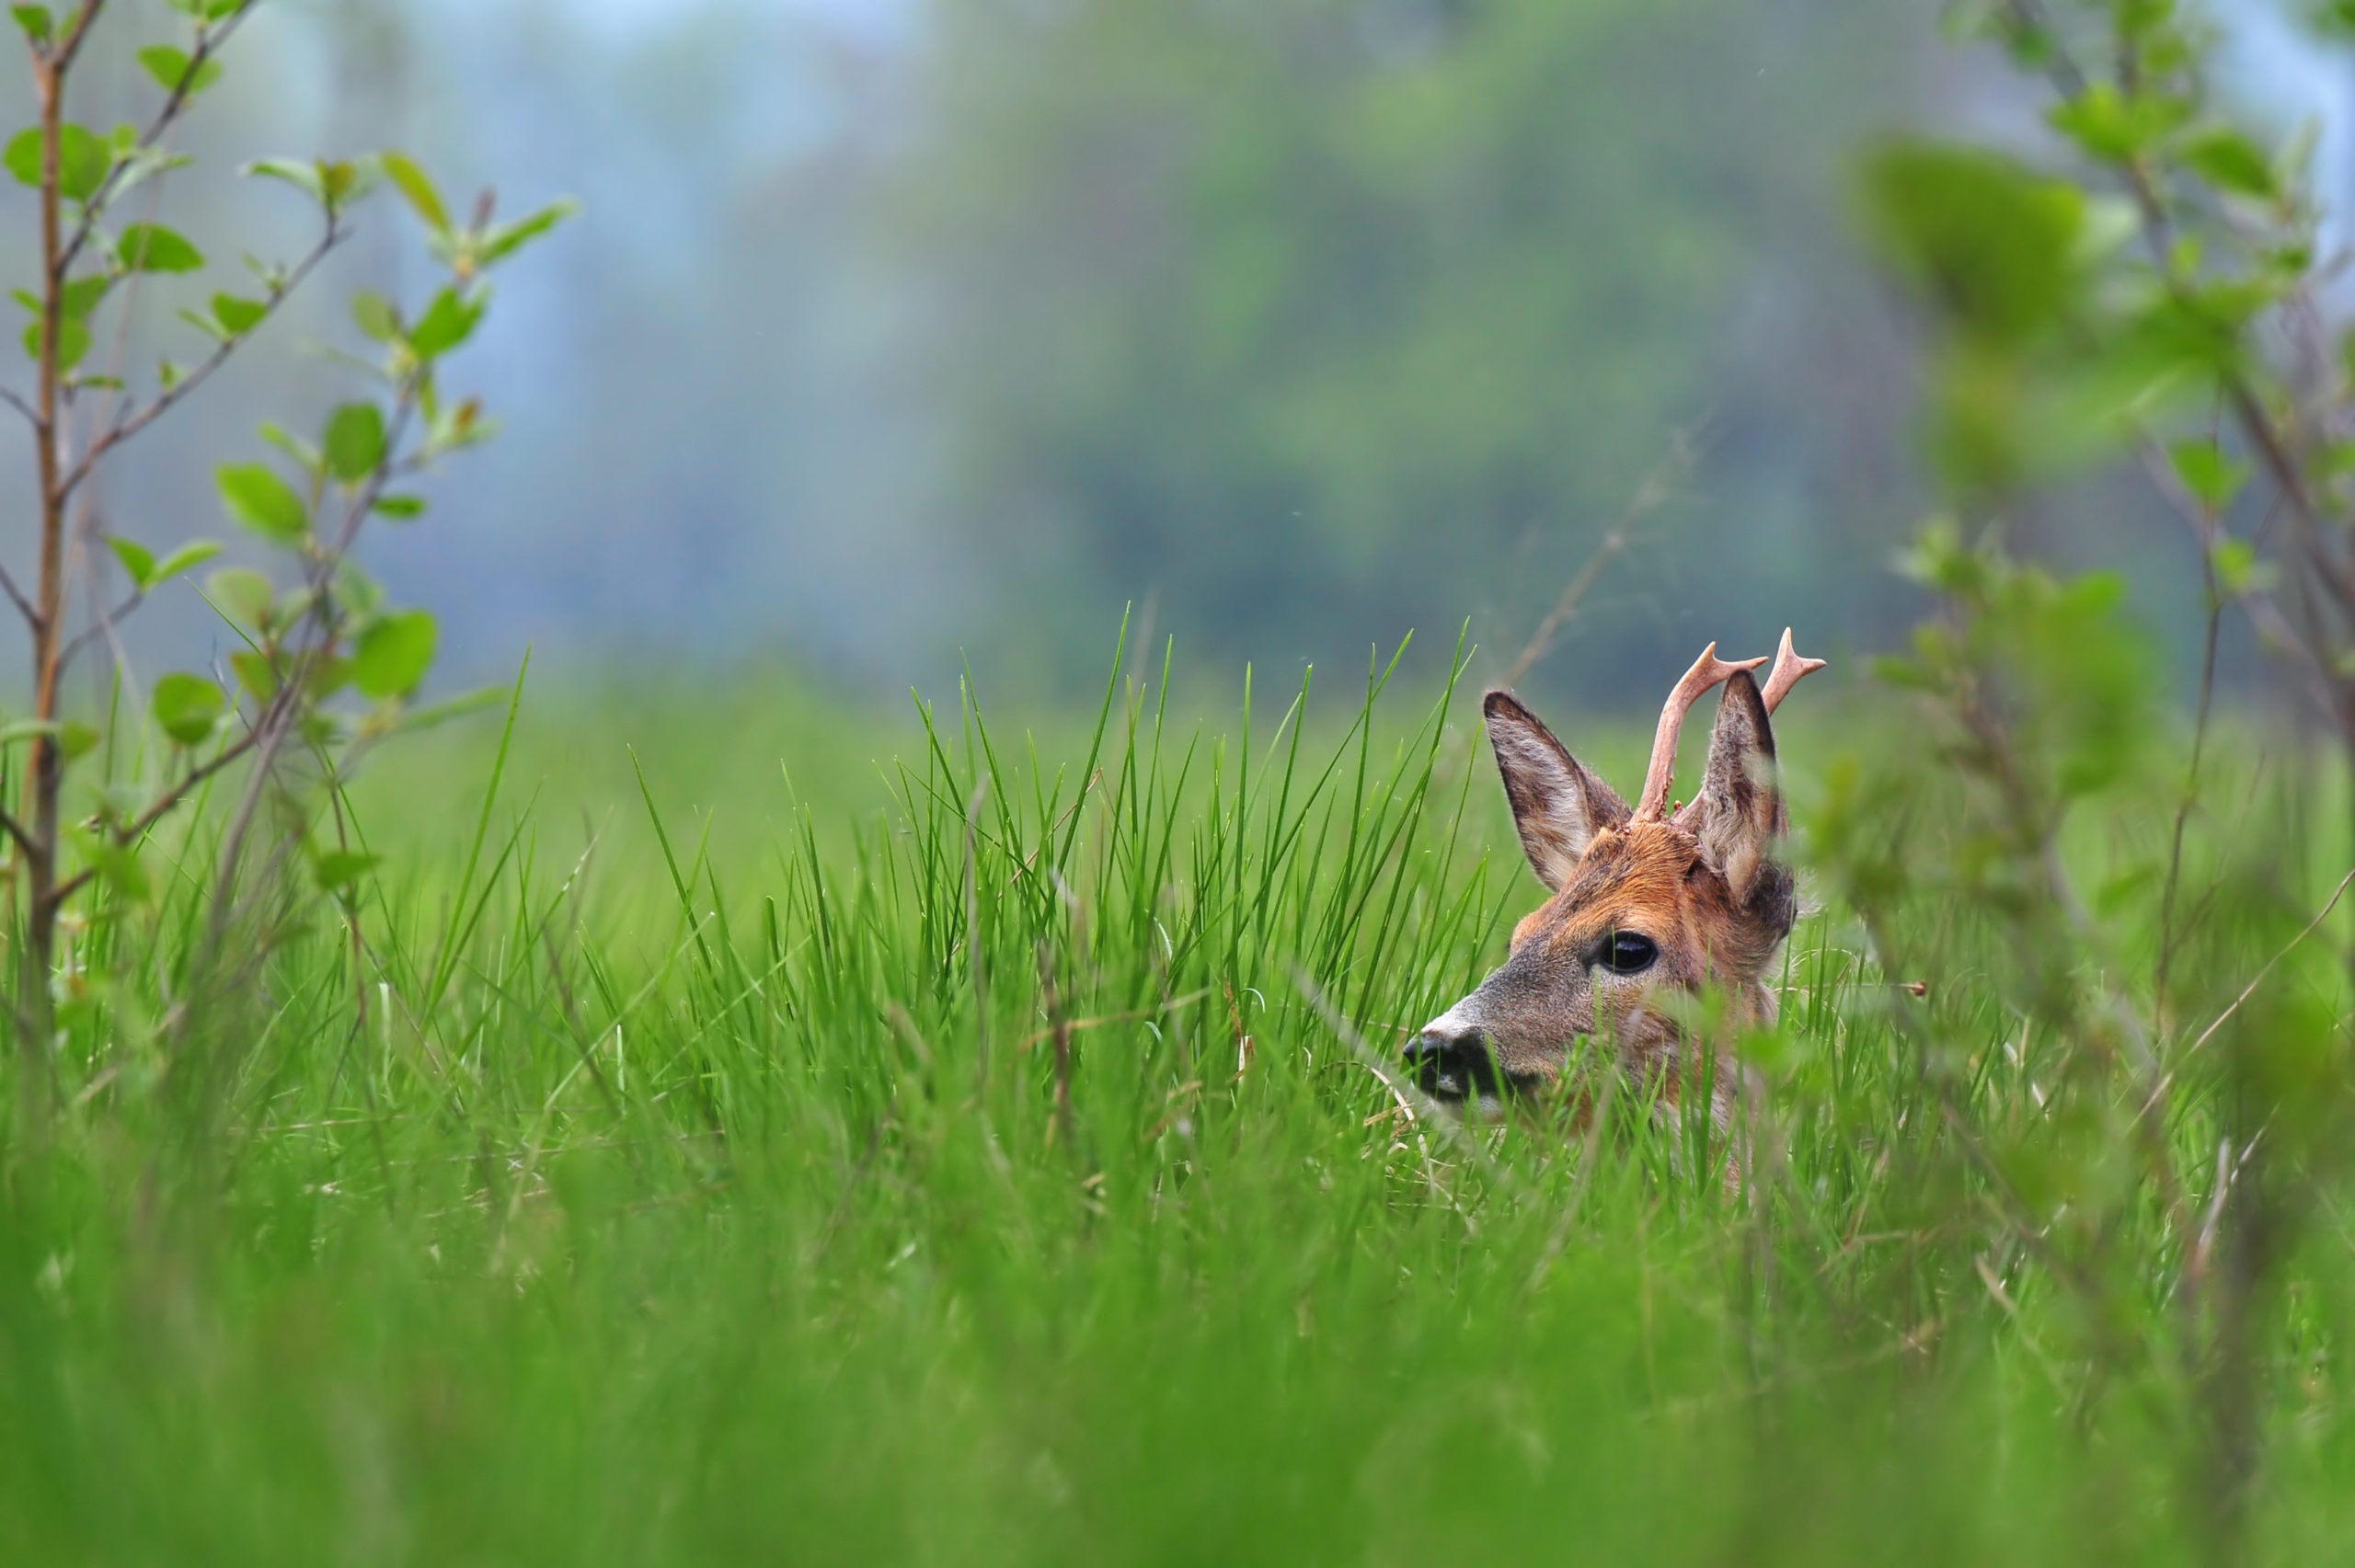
<point x="1740" y="813"/>
<point x="1557" y="804"/>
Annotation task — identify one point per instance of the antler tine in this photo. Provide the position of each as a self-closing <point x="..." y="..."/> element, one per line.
<point x="1789" y="670"/>
<point x="1708" y="672"/>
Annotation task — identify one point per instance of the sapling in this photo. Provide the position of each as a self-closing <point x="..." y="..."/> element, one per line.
<point x="324" y="665"/>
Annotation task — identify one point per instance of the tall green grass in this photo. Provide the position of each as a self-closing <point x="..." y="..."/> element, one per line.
<point x="998" y="1174"/>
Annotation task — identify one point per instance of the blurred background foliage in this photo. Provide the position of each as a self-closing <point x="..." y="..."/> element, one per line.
<point x="905" y="332"/>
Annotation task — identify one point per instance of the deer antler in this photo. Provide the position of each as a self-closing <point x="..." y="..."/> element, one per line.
<point x="1708" y="672"/>
<point x="1789" y="670"/>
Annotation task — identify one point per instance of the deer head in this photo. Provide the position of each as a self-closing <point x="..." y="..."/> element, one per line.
<point x="1644" y="900"/>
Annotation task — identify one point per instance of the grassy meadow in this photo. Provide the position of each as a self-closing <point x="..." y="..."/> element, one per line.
<point x="743" y="1128"/>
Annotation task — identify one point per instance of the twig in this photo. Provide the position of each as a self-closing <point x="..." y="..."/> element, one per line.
<point x="1132" y="1016"/>
<point x="2250" y="990"/>
<point x="14" y="400"/>
<point x="61" y="58"/>
<point x="107" y="623"/>
<point x="162" y="806"/>
<point x="130" y="426"/>
<point x="209" y="42"/>
<point x="1687" y="448"/>
<point x="16" y="831"/>
<point x="17" y="597"/>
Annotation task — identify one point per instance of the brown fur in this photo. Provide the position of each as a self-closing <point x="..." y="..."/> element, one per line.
<point x="1705" y="885"/>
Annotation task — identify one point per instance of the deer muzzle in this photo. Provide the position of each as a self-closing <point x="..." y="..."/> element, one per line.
<point x="1451" y="1061"/>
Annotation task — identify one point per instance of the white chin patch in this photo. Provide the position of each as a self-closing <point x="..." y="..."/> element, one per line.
<point x="1447" y="1023"/>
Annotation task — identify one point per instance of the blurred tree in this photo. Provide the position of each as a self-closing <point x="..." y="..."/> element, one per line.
<point x="1321" y="319"/>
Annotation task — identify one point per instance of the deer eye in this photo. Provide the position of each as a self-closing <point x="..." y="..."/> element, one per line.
<point x="1625" y="953"/>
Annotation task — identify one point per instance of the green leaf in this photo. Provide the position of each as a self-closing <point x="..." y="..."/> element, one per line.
<point x="171" y="69"/>
<point x="187" y="558"/>
<point x="151" y="247"/>
<point x="448" y="322"/>
<point x="302" y="174"/>
<point x="243" y="595"/>
<point x="72" y="341"/>
<point x="401" y="508"/>
<point x="376" y="318"/>
<point x="120" y="867"/>
<point x="256" y="673"/>
<point x="238" y="316"/>
<point x="187" y="707"/>
<point x="76" y="741"/>
<point x="338" y="869"/>
<point x="22" y="156"/>
<point x="346" y="182"/>
<point x="508" y="238"/>
<point x="329" y="675"/>
<point x="355" y="442"/>
<point x="2235" y="562"/>
<point x="394" y="653"/>
<point x="1992" y="244"/>
<point x="2229" y="161"/>
<point x="2212" y="478"/>
<point x="138" y="561"/>
<point x="358" y="594"/>
<point x="258" y="497"/>
<point x="413" y="184"/>
<point x="307" y="457"/>
<point x="81" y="296"/>
<point x="83" y="160"/>
<point x="2115" y="127"/>
<point x="38" y="24"/>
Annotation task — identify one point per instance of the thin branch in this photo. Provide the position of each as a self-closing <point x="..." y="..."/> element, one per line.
<point x="2250" y="990"/>
<point x="2158" y="236"/>
<point x="16" y="831"/>
<point x="130" y="426"/>
<point x="17" y="597"/>
<point x="209" y="42"/>
<point x="269" y="725"/>
<point x="164" y="804"/>
<point x="31" y="414"/>
<point x="104" y="628"/>
<point x="1686" y="449"/>
<point x="2268" y="617"/>
<point x="76" y="32"/>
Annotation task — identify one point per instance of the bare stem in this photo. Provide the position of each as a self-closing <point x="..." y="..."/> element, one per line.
<point x="45" y="771"/>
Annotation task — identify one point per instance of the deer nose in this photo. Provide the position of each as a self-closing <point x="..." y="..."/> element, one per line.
<point x="1450" y="1060"/>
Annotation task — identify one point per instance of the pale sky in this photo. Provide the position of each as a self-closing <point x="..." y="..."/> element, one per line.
<point x="873" y="20"/>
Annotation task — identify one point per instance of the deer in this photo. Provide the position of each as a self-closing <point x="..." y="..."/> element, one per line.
<point x="1655" y="898"/>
